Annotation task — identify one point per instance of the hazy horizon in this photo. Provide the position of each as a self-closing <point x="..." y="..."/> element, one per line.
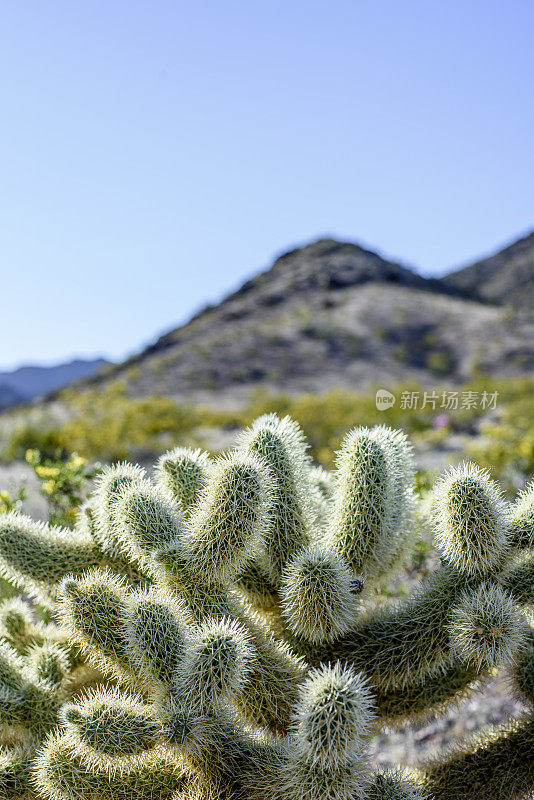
<point x="154" y="158"/>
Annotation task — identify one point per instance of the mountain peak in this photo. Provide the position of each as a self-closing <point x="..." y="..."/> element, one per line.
<point x="323" y="248"/>
<point x="330" y="264"/>
<point x="506" y="277"/>
<point x="333" y="314"/>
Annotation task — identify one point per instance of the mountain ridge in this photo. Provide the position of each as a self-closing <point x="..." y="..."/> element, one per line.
<point x="320" y="248"/>
<point x="506" y="276"/>
<point x="332" y="313"/>
<point x="27" y="382"/>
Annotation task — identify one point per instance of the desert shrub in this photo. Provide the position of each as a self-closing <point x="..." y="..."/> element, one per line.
<point x="63" y="482"/>
<point x="109" y="425"/>
<point x="507" y="444"/>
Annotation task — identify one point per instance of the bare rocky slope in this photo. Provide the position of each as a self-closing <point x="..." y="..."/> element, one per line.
<point x="332" y="314"/>
<point x="506" y="277"/>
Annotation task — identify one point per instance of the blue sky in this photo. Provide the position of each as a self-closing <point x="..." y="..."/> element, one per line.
<point x="156" y="154"/>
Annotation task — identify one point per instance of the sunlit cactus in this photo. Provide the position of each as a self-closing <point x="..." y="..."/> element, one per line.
<point x="154" y="627"/>
<point x="471" y="520"/>
<point x="109" y="724"/>
<point x="144" y="519"/>
<point x="63" y="771"/>
<point x="93" y="610"/>
<point x="215" y="665"/>
<point x="17" y="624"/>
<point x="183" y="472"/>
<point x="50" y="662"/>
<point x="372" y="500"/>
<point x="232" y="521"/>
<point x="522" y="519"/>
<point x="110" y="484"/>
<point x="327" y="751"/>
<point x="333" y="716"/>
<point x="213" y="633"/>
<point x="318" y="596"/>
<point x="281" y="444"/>
<point x="486" y="627"/>
<point x="35" y="556"/>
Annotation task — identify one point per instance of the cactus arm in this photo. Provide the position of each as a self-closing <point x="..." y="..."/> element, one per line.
<point x="371" y="507"/>
<point x="63" y="771"/>
<point x="496" y="766"/>
<point x="93" y="609"/>
<point x="184" y="473"/>
<point x="35" y="556"/>
<point x="472" y="521"/>
<point x="17" y="625"/>
<point x="273" y="683"/>
<point x="316" y="595"/>
<point x="110" y="485"/>
<point x="281" y="444"/>
<point x="108" y="725"/>
<point x="231" y="523"/>
<point x="50" y="662"/>
<point x="518" y="579"/>
<point x="395" y="785"/>
<point x="144" y="519"/>
<point x="522" y="519"/>
<point x="430" y="694"/>
<point x="398" y="645"/>
<point x="155" y="628"/>
<point x="486" y="627"/>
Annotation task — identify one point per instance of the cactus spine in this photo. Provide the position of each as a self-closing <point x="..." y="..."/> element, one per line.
<point x="213" y="640"/>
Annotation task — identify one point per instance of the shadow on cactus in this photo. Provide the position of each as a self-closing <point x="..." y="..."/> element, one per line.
<point x="214" y="634"/>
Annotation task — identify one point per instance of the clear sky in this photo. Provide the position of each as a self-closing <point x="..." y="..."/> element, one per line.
<point x="155" y="154"/>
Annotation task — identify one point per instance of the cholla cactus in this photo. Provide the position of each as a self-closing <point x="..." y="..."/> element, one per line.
<point x="372" y="500"/>
<point x="215" y="636"/>
<point x="184" y="473"/>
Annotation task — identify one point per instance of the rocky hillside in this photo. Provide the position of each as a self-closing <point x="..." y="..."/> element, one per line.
<point x="506" y="277"/>
<point x="334" y="314"/>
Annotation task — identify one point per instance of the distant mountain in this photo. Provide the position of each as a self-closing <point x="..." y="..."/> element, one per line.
<point x="506" y="277"/>
<point x="9" y="396"/>
<point x="26" y="383"/>
<point x="333" y="314"/>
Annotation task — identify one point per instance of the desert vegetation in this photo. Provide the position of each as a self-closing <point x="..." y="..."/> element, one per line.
<point x="109" y="425"/>
<point x="220" y="629"/>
